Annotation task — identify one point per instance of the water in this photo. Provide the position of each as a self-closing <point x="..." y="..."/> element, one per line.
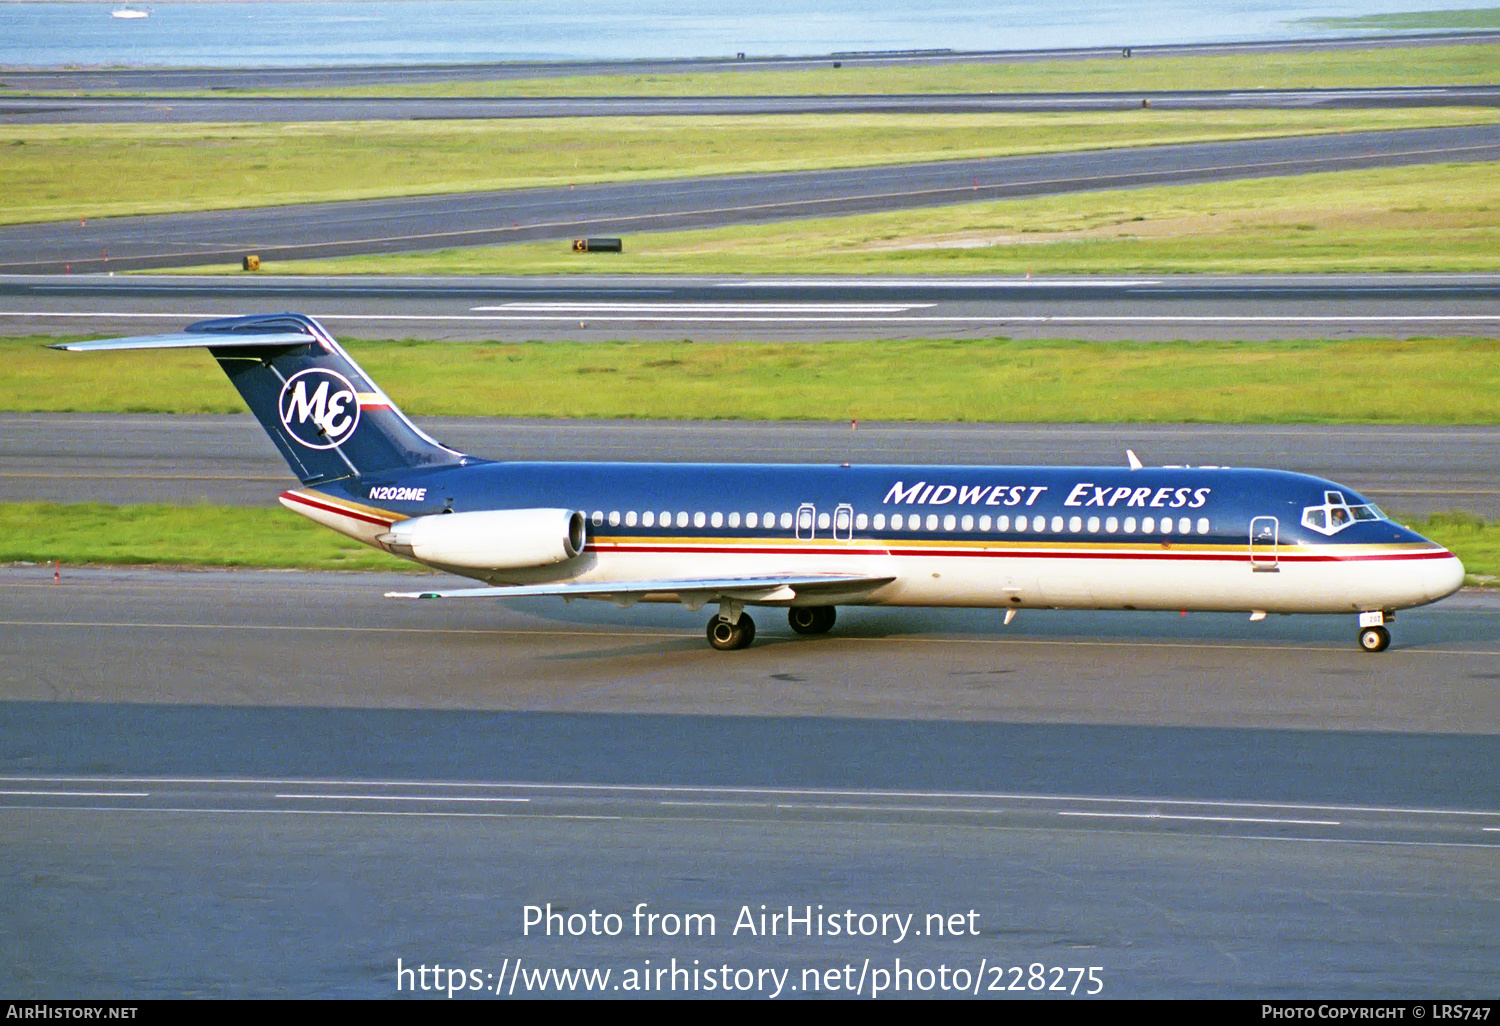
<point x="442" y="31"/>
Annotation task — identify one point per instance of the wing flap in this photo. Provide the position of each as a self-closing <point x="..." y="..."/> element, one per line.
<point x="689" y="591"/>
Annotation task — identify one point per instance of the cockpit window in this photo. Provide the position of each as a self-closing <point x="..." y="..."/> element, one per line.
<point x="1335" y="514"/>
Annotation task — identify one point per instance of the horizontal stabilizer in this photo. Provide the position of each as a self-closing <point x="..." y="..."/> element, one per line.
<point x="327" y="418"/>
<point x="191" y="340"/>
<point x="694" y="592"/>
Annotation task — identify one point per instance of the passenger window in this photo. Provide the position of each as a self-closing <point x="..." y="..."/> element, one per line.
<point x="1002" y="523"/>
<point x="822" y="521"/>
<point x="1185" y="525"/>
<point x="1112" y="525"/>
<point x="896" y="522"/>
<point x="630" y="518"/>
<point x="734" y="519"/>
<point x="1130" y="525"/>
<point x="682" y="518"/>
<point x="880" y="521"/>
<point x="984" y="523"/>
<point x="968" y="523"/>
<point x="862" y="521"/>
<point x="1093" y="525"/>
<point x="1057" y="524"/>
<point x="1075" y="524"/>
<point x="751" y="520"/>
<point x="648" y="519"/>
<point x="932" y="521"/>
<point x="698" y="519"/>
<point x="614" y="518"/>
<point x="950" y="522"/>
<point x="598" y="518"/>
<point x="1148" y="524"/>
<point x="665" y="518"/>
<point x="786" y="521"/>
<point x="1203" y="525"/>
<point x="717" y="520"/>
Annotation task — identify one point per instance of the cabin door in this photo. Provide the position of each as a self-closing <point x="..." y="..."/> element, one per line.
<point x="807" y="517"/>
<point x="1264" y="535"/>
<point x="843" y="523"/>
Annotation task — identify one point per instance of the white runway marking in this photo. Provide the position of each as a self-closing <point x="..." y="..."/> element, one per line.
<point x="943" y="283"/>
<point x="1206" y="819"/>
<point x="704" y="308"/>
<point x="79" y="794"/>
<point x="400" y="798"/>
<point x="645" y="316"/>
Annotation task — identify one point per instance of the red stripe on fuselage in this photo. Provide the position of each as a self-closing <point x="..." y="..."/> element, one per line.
<point x="1236" y="555"/>
<point x="330" y="507"/>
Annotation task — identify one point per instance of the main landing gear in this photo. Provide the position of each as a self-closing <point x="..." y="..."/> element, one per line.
<point x="732" y="628"/>
<point x="811" y="619"/>
<point x="728" y="635"/>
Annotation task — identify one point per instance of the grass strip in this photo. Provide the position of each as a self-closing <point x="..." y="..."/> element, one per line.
<point x="81" y="172"/>
<point x="78" y="533"/>
<point x="1411" y="21"/>
<point x="1442" y="218"/>
<point x="1439" y="64"/>
<point x="1376" y="381"/>
<point x="89" y="533"/>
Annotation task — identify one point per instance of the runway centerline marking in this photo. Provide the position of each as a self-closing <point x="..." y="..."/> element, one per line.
<point x="943" y="283"/>
<point x="401" y="798"/>
<point x="793" y="806"/>
<point x="1206" y="819"/>
<point x="656" y="308"/>
<point x="781" y="792"/>
<point x="79" y="794"/>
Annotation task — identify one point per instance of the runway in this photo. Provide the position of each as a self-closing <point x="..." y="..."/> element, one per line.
<point x="125" y="458"/>
<point x="607" y="307"/>
<point x="52" y="110"/>
<point x="257" y="784"/>
<point x="415" y="223"/>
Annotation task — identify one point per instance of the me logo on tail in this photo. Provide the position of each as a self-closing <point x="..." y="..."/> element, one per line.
<point x="318" y="408"/>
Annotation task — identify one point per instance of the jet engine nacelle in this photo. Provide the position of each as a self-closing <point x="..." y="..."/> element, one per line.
<point x="500" y="539"/>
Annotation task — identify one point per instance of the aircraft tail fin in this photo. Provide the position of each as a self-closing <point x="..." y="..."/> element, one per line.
<point x="327" y="417"/>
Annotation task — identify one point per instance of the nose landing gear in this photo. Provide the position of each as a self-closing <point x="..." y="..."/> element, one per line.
<point x="1374" y="639"/>
<point x="1373" y="633"/>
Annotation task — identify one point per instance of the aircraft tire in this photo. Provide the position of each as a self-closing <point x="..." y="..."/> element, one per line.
<point x="726" y="636"/>
<point x="812" y="619"/>
<point x="1374" y="639"/>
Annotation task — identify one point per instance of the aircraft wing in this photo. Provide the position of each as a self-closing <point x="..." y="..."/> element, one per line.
<point x="691" y="592"/>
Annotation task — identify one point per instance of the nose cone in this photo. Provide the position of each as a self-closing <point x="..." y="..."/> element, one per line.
<point x="1429" y="571"/>
<point x="1442" y="576"/>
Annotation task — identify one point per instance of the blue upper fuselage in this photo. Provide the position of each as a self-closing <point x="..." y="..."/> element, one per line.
<point x="733" y="500"/>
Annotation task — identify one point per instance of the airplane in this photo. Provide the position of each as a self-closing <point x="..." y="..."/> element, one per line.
<point x="810" y="538"/>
